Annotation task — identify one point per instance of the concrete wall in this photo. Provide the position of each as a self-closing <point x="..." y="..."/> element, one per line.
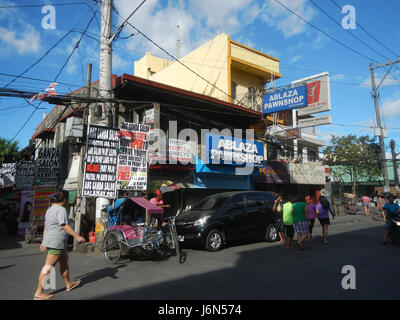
<point x="209" y="61"/>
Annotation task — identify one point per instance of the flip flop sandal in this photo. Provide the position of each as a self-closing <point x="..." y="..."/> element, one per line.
<point x="43" y="297"/>
<point x="74" y="285"/>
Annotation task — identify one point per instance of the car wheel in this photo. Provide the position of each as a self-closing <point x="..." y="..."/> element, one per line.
<point x="271" y="233"/>
<point x="214" y="240"/>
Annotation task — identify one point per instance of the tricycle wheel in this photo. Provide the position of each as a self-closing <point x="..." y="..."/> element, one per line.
<point x="112" y="248"/>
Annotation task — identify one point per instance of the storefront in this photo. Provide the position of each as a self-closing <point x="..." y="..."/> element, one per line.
<point x="291" y="178"/>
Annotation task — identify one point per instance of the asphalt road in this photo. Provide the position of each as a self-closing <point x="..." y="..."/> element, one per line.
<point x="246" y="271"/>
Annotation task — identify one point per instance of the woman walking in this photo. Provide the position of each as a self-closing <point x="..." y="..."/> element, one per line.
<point x="311" y="213"/>
<point x="55" y="242"/>
<point x="278" y="203"/>
<point x="300" y="223"/>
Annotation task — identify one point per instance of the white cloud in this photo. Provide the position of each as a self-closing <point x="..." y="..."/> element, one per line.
<point x="199" y="22"/>
<point x="295" y="58"/>
<point x="387" y="82"/>
<point x="27" y="41"/>
<point x="391" y="108"/>
<point x="118" y="62"/>
<point x="282" y="19"/>
<point x="338" y="77"/>
<point x="16" y="34"/>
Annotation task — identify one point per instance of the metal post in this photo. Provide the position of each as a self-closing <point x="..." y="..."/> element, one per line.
<point x="381" y="138"/>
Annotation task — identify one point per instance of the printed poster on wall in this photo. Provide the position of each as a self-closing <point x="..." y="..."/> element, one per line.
<point x="132" y="158"/>
<point x="25" y="211"/>
<point x="99" y="179"/>
<point x="7" y="174"/>
<point x="47" y="167"/>
<point x="25" y="174"/>
<point x="41" y="203"/>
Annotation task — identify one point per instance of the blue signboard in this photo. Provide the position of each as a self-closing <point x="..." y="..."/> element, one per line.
<point x="233" y="151"/>
<point x="285" y="99"/>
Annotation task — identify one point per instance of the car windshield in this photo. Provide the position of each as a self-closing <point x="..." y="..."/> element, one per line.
<point x="208" y="204"/>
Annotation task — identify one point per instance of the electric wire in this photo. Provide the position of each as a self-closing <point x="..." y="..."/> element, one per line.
<point x="326" y="34"/>
<point x="58" y="74"/>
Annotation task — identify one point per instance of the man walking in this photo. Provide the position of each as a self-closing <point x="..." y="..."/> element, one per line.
<point x="288" y="222"/>
<point x="390" y="209"/>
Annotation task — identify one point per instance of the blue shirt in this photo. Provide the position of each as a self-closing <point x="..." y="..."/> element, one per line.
<point x="391" y="208"/>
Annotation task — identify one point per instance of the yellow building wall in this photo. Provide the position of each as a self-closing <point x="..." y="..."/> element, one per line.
<point x="210" y="61"/>
<point x="253" y="57"/>
<point x="220" y="62"/>
<point x="148" y="64"/>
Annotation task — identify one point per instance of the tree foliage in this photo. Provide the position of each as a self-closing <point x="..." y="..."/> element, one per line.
<point x="356" y="156"/>
<point x="8" y="150"/>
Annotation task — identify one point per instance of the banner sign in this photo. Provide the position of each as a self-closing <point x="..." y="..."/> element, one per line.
<point x="41" y="202"/>
<point x="312" y="122"/>
<point x="179" y="150"/>
<point x="234" y="151"/>
<point x="25" y="175"/>
<point x="99" y="179"/>
<point x="273" y="172"/>
<point x="285" y="99"/>
<point x="47" y="167"/>
<point x="318" y="96"/>
<point x="7" y="174"/>
<point x="132" y="158"/>
<point x="25" y="211"/>
<point x="301" y="173"/>
<point x="292" y="133"/>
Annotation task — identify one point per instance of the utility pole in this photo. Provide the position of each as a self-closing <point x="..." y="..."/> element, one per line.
<point x="105" y="91"/>
<point x="396" y="175"/>
<point x="382" y="156"/>
<point x="82" y="201"/>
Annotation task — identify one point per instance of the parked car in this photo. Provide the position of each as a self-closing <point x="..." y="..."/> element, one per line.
<point x="223" y="217"/>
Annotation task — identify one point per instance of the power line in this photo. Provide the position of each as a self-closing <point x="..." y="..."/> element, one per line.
<point x="350" y="33"/>
<point x="326" y="34"/>
<point x="62" y="68"/>
<point x="44" y="4"/>
<point x="180" y="62"/>
<point x="394" y="53"/>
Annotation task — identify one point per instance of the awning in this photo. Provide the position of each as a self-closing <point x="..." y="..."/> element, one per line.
<point x="151" y="208"/>
<point x="143" y="202"/>
<point x="11" y="196"/>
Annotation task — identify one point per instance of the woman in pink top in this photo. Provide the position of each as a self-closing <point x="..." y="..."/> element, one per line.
<point x="365" y="201"/>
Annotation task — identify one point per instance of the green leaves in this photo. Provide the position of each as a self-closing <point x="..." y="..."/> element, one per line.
<point x="355" y="156"/>
<point x="8" y="150"/>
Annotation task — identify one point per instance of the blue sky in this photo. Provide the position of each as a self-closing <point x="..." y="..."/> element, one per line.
<point x="263" y="25"/>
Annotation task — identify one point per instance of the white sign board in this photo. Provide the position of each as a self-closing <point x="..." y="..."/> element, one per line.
<point x="301" y="173"/>
<point x="318" y="95"/>
<point x="312" y="122"/>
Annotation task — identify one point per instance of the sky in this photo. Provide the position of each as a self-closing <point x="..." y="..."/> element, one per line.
<point x="39" y="41"/>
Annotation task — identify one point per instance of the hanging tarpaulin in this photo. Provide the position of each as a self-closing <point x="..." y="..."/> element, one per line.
<point x="25" y="174"/>
<point x="133" y="155"/>
<point x="99" y="179"/>
<point x="47" y="167"/>
<point x="41" y="203"/>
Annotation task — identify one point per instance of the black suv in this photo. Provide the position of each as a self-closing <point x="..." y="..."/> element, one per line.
<point x="226" y="216"/>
